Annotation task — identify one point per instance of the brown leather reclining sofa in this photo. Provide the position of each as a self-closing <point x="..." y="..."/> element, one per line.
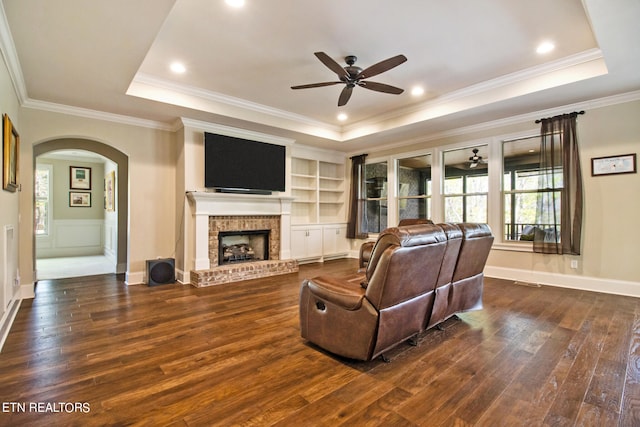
<point x="367" y="247"/>
<point x="417" y="276"/>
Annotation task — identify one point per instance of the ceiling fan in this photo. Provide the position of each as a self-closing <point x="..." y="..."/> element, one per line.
<point x="353" y="76"/>
<point x="475" y="160"/>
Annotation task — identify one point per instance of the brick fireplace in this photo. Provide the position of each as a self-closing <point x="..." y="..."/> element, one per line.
<point x="215" y="213"/>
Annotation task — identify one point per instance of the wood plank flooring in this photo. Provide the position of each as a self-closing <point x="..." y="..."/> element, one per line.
<point x="92" y="351"/>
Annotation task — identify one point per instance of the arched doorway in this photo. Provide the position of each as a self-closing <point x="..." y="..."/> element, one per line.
<point x="122" y="162"/>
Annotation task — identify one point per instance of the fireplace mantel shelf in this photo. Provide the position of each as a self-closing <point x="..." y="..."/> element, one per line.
<point x="211" y="203"/>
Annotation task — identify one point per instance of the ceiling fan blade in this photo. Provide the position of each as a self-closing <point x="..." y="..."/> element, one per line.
<point x="316" y="85"/>
<point x="331" y="64"/>
<point x="381" y="87"/>
<point x="345" y="95"/>
<point x="381" y="67"/>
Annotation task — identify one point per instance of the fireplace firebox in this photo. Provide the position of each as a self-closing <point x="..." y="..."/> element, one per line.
<point x="243" y="246"/>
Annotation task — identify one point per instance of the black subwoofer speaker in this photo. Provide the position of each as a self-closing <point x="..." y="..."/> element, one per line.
<point x="161" y="271"/>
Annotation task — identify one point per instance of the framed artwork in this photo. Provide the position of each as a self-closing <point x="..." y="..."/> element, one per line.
<point x="611" y="165"/>
<point x="79" y="199"/>
<point x="110" y="192"/>
<point x="79" y="178"/>
<point x="10" y="152"/>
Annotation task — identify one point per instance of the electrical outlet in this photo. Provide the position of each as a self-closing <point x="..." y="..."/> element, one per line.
<point x="574" y="263"/>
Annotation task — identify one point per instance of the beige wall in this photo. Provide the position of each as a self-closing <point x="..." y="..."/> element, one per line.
<point x="9" y="203"/>
<point x="61" y="189"/>
<point x="152" y="176"/>
<point x="611" y="234"/>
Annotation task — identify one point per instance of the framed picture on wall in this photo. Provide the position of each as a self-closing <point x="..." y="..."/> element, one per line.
<point x="11" y="149"/>
<point x="79" y="199"/>
<point x="611" y="165"/>
<point x="110" y="192"/>
<point x="80" y="178"/>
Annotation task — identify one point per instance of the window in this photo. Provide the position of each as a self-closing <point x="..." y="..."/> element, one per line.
<point x="522" y="185"/>
<point x="414" y="187"/>
<point x="375" y="175"/>
<point x="42" y="199"/>
<point x="466" y="185"/>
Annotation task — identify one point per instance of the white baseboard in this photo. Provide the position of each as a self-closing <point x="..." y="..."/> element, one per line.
<point x="27" y="291"/>
<point x="134" y="278"/>
<point x="584" y="283"/>
<point x="7" y="320"/>
<point x="139" y="278"/>
<point x="184" y="277"/>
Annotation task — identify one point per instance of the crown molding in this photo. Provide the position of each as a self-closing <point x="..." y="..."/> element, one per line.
<point x="448" y="102"/>
<point x="181" y="91"/>
<point x="235" y="132"/>
<point x="507" y="121"/>
<point x="10" y="56"/>
<point x="94" y="114"/>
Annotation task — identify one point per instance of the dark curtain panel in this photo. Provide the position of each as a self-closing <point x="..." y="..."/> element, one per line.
<point x="357" y="221"/>
<point x="559" y="205"/>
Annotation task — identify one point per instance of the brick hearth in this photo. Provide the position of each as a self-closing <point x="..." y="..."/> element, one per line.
<point x="244" y="271"/>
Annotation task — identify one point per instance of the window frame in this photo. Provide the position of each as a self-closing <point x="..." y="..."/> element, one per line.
<point x="465" y="194"/>
<point x="49" y="200"/>
<point x="427" y="197"/>
<point x="380" y="200"/>
<point x="495" y="194"/>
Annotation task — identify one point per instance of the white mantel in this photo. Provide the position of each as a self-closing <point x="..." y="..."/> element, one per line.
<point x="208" y="204"/>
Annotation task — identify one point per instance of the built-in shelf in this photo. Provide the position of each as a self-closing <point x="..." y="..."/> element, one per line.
<point x="318" y="189"/>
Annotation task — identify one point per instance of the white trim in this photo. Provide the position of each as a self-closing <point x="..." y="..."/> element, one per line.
<point x="27" y="291"/>
<point x="8" y="51"/>
<point x="94" y="114"/>
<point x="511" y="120"/>
<point x="205" y="204"/>
<point x="7" y="320"/>
<point x="183" y="277"/>
<point x="134" y="278"/>
<point x="236" y="132"/>
<point x="141" y="80"/>
<point x="583" y="283"/>
<point x="485" y="86"/>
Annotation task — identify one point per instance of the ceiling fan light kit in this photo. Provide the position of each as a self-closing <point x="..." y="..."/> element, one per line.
<point x="352" y="75"/>
<point x="475" y="160"/>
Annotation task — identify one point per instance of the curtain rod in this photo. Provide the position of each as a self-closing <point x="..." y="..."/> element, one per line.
<point x="576" y="112"/>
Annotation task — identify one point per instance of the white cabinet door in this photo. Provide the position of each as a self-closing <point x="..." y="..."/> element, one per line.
<point x="314" y="242"/>
<point x="306" y="242"/>
<point x="335" y="241"/>
<point x="298" y="243"/>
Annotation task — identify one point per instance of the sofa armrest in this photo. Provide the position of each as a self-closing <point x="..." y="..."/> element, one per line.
<point x="365" y="253"/>
<point x="345" y="292"/>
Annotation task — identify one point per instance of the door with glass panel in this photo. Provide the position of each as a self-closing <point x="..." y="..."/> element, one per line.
<point x="414" y="187"/>
<point x="376" y="197"/>
<point x="466" y="184"/>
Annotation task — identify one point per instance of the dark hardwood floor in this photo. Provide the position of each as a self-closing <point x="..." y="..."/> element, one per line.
<point x="92" y="351"/>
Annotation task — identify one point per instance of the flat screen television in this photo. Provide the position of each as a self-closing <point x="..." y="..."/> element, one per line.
<point x="240" y="165"/>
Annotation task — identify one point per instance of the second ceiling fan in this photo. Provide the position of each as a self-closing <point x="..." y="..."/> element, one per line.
<point x="352" y="75"/>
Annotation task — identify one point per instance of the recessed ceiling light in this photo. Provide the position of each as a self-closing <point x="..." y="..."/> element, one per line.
<point x="235" y="3"/>
<point x="342" y="117"/>
<point x="545" y="47"/>
<point x="417" y="91"/>
<point x="178" y="67"/>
